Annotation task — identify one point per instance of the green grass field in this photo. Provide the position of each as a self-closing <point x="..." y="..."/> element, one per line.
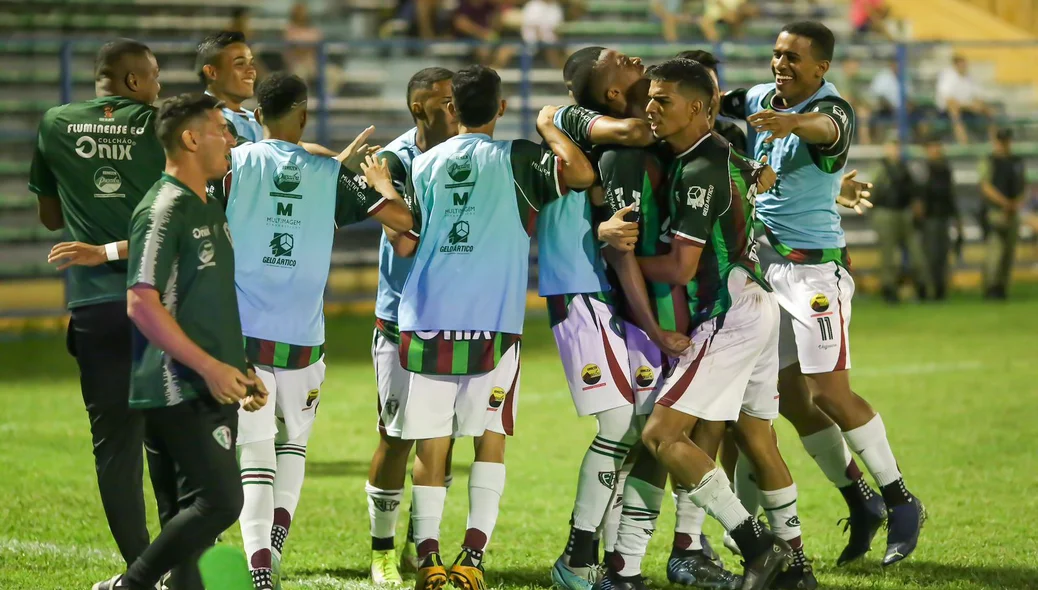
<point x="955" y="383"/>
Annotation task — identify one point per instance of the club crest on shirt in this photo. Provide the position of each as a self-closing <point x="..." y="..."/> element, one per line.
<point x="222" y="434"/>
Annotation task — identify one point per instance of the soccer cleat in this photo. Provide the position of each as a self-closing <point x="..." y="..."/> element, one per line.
<point x="565" y="578"/>
<point x="709" y="552"/>
<point x="761" y="569"/>
<point x="904" y="523"/>
<point x="696" y="569"/>
<point x="116" y="583"/>
<point x="466" y="575"/>
<point x="275" y="569"/>
<point x="383" y="568"/>
<point x="409" y="558"/>
<point x="798" y="576"/>
<point x="431" y="573"/>
<point x="610" y="580"/>
<point x="863" y="522"/>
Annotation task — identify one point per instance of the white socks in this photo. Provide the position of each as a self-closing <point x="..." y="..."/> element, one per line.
<point x="688" y="522"/>
<point x="426" y="514"/>
<point x="257" y="515"/>
<point x="602" y="461"/>
<point x="781" y="508"/>
<point x="830" y="452"/>
<point x="383" y="510"/>
<point x="291" y="460"/>
<point x="641" y="508"/>
<point x="870" y="442"/>
<point x="486" y="485"/>
<point x="611" y="522"/>
<point x="714" y="493"/>
<point x="746" y="485"/>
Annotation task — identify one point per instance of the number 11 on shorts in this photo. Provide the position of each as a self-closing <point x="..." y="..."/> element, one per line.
<point x="826" y="328"/>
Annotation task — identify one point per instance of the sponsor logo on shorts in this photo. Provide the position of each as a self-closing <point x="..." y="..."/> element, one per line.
<point x="311" y="397"/>
<point x="607" y="478"/>
<point x="222" y="434"/>
<point x="391" y="407"/>
<point x="820" y="302"/>
<point x="591" y="375"/>
<point x="497" y="397"/>
<point x="644" y="378"/>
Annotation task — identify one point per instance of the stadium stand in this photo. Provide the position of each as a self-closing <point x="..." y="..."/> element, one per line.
<point x="47" y="48"/>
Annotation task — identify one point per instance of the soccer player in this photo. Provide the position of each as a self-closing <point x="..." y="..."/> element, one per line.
<point x="462" y="306"/>
<point x="726" y="128"/>
<point x="189" y="369"/>
<point x="227" y="70"/>
<point x="729" y="372"/>
<point x="93" y="162"/>
<point x="605" y="81"/>
<point x="590" y="336"/>
<point x="803" y="123"/>
<point x="428" y="99"/>
<point x="283" y="206"/>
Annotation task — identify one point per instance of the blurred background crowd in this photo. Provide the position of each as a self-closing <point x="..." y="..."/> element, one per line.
<point x="944" y="90"/>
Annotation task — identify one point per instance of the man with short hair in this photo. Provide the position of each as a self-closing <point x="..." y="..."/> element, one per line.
<point x="896" y="214"/>
<point x="93" y="162"/>
<point x="806" y="127"/>
<point x="723" y="126"/>
<point x="227" y="70"/>
<point x="428" y="101"/>
<point x="283" y="207"/>
<point x="1003" y="182"/>
<point x="938" y="211"/>
<point x="189" y="368"/>
<point x="463" y="304"/>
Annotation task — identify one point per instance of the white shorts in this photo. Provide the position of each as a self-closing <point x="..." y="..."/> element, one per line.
<point x="732" y="365"/>
<point x="291" y="406"/>
<point x="393" y="381"/>
<point x="816" y="312"/>
<point x="594" y="356"/>
<point x="647" y="367"/>
<point x="436" y="406"/>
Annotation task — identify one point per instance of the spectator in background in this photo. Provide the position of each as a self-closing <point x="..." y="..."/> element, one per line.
<point x="240" y="22"/>
<point x="1003" y="182"/>
<point x="938" y="210"/>
<point x="730" y="12"/>
<point x="540" y="21"/>
<point x="425" y="16"/>
<point x="870" y="16"/>
<point x="481" y="20"/>
<point x="671" y="16"/>
<point x="301" y="59"/>
<point x="893" y="217"/>
<point x="853" y="90"/>
<point x="960" y="98"/>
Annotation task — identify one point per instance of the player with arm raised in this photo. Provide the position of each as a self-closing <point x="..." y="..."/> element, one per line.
<point x="428" y="100"/>
<point x="463" y="304"/>
<point x="806" y="128"/>
<point x="283" y="206"/>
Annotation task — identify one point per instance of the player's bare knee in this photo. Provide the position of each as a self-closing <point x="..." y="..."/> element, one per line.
<point x="490" y="448"/>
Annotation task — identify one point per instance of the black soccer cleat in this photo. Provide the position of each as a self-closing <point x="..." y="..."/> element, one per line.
<point x="799" y="575"/>
<point x="762" y="568"/>
<point x="695" y="569"/>
<point x="864" y="522"/>
<point x="904" y="522"/>
<point x="613" y="581"/>
<point x="115" y="583"/>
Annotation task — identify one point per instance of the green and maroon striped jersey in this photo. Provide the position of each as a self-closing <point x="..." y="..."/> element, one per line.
<point x="635" y="176"/>
<point x="713" y="190"/>
<point x="280" y="355"/>
<point x="454" y="352"/>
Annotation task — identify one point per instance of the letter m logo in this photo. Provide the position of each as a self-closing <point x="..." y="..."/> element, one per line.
<point x="461" y="200"/>
<point x="285" y="209"/>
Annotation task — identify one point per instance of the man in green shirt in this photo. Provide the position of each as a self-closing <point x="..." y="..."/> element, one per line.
<point x="93" y="162"/>
<point x="189" y="370"/>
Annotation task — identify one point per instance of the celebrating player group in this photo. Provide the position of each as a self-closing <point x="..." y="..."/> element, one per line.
<point x="698" y="286"/>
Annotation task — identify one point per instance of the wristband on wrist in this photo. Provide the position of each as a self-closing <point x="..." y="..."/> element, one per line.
<point x="112" y="251"/>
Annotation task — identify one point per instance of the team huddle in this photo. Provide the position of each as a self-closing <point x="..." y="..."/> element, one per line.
<point x="695" y="293"/>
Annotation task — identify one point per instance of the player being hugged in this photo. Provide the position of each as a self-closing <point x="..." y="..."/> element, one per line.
<point x="805" y="128"/>
<point x="463" y="305"/>
<point x="283" y="206"/>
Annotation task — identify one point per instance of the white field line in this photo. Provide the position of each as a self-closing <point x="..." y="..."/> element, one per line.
<point x="44" y="549"/>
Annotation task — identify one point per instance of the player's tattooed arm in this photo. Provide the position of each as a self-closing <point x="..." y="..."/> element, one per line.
<point x="575" y="170"/>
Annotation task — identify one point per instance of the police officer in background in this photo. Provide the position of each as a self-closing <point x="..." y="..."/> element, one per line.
<point x="938" y="211"/>
<point x="94" y="161"/>
<point x="1003" y="183"/>
<point x="893" y="218"/>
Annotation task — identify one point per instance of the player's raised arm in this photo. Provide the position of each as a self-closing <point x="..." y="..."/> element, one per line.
<point x="393" y="214"/>
<point x="575" y="170"/>
<point x="587" y="128"/>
